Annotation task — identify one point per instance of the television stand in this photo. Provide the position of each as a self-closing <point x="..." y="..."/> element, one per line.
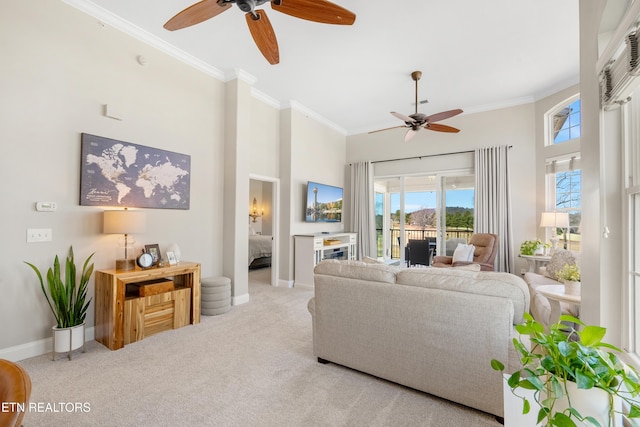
<point x="310" y="249"/>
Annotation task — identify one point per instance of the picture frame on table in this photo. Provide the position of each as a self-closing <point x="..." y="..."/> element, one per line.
<point x="154" y="251"/>
<point x="171" y="257"/>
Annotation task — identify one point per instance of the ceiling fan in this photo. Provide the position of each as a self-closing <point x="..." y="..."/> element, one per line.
<point x="322" y="11"/>
<point x="416" y="121"/>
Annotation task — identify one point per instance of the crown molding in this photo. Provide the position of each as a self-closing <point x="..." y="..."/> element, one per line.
<point x="295" y="105"/>
<point x="108" y="18"/>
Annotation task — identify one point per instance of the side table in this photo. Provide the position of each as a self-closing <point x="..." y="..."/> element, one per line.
<point x="535" y="261"/>
<point x="555" y="294"/>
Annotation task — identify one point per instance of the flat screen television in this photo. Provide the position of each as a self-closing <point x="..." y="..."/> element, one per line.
<point x="324" y="203"/>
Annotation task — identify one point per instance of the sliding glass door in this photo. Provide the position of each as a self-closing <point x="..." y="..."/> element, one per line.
<point x="426" y="207"/>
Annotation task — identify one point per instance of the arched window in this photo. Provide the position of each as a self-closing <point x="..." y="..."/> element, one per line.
<point x="563" y="174"/>
<point x="564" y="123"/>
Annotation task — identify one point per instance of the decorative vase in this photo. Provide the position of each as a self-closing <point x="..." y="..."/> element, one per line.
<point x="571" y="288"/>
<point x="539" y="250"/>
<point x="68" y="339"/>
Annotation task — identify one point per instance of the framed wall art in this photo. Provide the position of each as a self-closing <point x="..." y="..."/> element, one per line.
<point x="118" y="173"/>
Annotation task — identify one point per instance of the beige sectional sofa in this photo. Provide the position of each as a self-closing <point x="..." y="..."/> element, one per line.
<point x="431" y="329"/>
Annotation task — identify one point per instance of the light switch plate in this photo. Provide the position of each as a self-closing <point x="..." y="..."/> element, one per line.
<point x="36" y="235"/>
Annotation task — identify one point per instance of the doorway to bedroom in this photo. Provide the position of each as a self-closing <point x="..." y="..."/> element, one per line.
<point x="262" y="246"/>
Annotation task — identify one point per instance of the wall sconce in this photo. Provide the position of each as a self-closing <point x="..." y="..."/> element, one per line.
<point x="254" y="210"/>
<point x="124" y="222"/>
<point x="555" y="220"/>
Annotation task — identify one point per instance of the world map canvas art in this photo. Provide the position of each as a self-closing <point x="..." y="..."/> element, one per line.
<point x="118" y="173"/>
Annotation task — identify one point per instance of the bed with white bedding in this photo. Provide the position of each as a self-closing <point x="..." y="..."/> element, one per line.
<point x="260" y="247"/>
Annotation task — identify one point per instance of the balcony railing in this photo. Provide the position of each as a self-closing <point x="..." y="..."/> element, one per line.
<point x="419" y="235"/>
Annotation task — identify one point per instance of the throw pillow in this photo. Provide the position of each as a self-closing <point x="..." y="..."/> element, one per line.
<point x="559" y="258"/>
<point x="463" y="253"/>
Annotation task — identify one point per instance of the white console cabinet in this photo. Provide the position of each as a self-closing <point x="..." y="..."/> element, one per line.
<point x="310" y="249"/>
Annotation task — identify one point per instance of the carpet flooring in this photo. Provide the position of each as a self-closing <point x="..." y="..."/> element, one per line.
<point x="252" y="366"/>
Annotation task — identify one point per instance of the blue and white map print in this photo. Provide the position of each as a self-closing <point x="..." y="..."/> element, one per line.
<point x="117" y="173"/>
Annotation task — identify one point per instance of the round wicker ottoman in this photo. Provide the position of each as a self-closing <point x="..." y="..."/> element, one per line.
<point x="215" y="295"/>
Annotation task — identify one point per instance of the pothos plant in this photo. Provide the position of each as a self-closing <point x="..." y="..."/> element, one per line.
<point x="565" y="354"/>
<point x="528" y="247"/>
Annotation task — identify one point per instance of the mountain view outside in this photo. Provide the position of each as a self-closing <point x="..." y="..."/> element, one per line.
<point x="421" y="217"/>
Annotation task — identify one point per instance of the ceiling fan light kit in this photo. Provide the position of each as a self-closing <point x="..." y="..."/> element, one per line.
<point x="322" y="11"/>
<point x="416" y="121"/>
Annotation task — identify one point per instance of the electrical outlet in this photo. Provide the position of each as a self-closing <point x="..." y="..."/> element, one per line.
<point x="523" y="270"/>
<point x="35" y="235"/>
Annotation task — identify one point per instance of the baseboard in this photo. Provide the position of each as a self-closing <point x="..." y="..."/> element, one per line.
<point x="304" y="286"/>
<point x="285" y="283"/>
<point x="36" y="348"/>
<point x="241" y="299"/>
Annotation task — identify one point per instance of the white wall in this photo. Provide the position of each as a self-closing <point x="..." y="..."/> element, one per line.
<point x="265" y="139"/>
<point x="309" y="150"/>
<point x="59" y="67"/>
<point x="513" y="126"/>
<point x="602" y="191"/>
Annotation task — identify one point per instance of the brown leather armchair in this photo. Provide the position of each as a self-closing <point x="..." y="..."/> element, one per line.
<point x="486" y="249"/>
<point x="15" y="388"/>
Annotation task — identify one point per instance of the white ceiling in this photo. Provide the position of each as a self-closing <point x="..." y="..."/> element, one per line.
<point x="474" y="55"/>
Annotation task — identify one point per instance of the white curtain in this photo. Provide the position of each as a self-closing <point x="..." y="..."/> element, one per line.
<point x="493" y="201"/>
<point x="361" y="212"/>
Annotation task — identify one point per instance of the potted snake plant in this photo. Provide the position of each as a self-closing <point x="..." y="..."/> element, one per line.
<point x="563" y="366"/>
<point x="67" y="299"/>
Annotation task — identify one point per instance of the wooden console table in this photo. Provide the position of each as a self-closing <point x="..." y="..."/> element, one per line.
<point x="122" y="318"/>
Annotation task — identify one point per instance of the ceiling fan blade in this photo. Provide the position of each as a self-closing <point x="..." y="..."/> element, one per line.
<point x="322" y="11"/>
<point x="263" y="34"/>
<point x="410" y="134"/>
<point x="441" y="128"/>
<point x="402" y="117"/>
<point x="394" y="127"/>
<point x="195" y="14"/>
<point x="444" y="115"/>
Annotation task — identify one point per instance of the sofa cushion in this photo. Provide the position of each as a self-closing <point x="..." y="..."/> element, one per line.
<point x="357" y="270"/>
<point x="558" y="260"/>
<point x="503" y="285"/>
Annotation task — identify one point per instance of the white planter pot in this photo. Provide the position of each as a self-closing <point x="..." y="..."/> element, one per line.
<point x="571" y="288"/>
<point x="68" y="339"/>
<point x="593" y="402"/>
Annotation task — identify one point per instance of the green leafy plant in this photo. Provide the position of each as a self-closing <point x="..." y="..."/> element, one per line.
<point x="528" y="247"/>
<point x="66" y="296"/>
<point x="565" y="354"/>
<point x="569" y="272"/>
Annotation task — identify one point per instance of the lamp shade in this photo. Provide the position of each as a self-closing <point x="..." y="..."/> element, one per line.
<point x="554" y="219"/>
<point x="124" y="222"/>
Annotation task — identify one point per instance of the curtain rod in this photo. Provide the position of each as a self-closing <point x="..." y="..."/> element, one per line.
<point x="428" y="155"/>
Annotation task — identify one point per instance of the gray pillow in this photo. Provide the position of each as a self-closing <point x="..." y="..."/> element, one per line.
<point x="558" y="260"/>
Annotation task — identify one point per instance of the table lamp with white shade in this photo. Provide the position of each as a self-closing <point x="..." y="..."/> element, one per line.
<point x="555" y="220"/>
<point x="125" y="222"/>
